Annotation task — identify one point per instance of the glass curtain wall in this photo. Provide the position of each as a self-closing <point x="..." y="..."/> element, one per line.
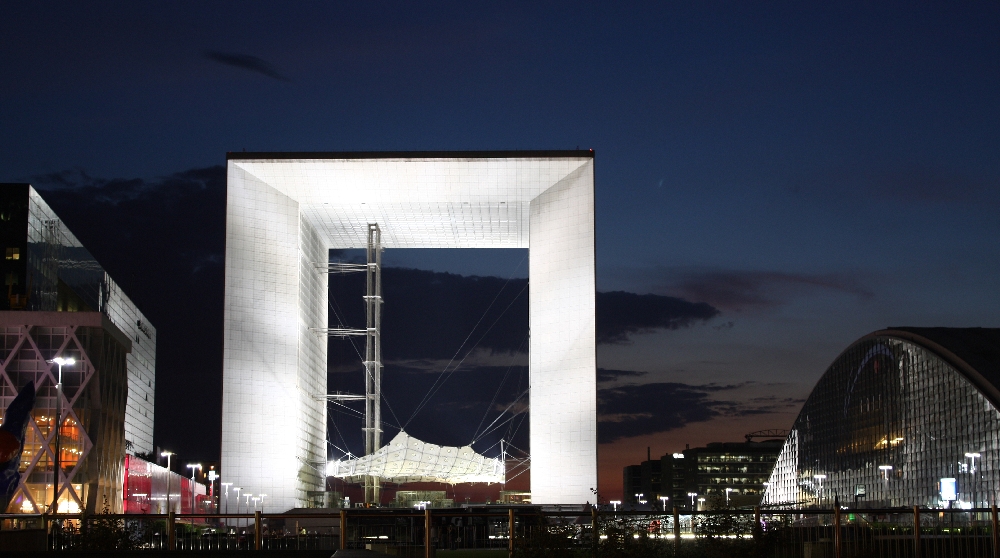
<point x="888" y="424"/>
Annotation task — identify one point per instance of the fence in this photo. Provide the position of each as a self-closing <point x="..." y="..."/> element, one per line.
<point x="532" y="531"/>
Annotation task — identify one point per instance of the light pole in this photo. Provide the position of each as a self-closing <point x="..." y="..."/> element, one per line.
<point x="262" y="502"/>
<point x="692" y="495"/>
<point x="664" y="500"/>
<point x="226" y="485"/>
<point x="728" y="490"/>
<point x="192" y="466"/>
<point x="616" y="503"/>
<point x="213" y="497"/>
<point x="56" y="467"/>
<point x="973" y="456"/>
<point x="248" y="495"/>
<point x="255" y="500"/>
<point x="820" y="492"/>
<point x="237" y="489"/>
<point x="167" y="454"/>
<point x="885" y="471"/>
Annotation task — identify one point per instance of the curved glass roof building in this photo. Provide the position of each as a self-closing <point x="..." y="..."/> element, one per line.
<point x="903" y="417"/>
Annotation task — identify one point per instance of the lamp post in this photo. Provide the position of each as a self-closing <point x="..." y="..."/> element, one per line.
<point x="213" y="497"/>
<point x="728" y="490"/>
<point x="226" y="485"/>
<point x="192" y="466"/>
<point x="615" y="504"/>
<point x="664" y="500"/>
<point x="973" y="456"/>
<point x="692" y="495"/>
<point x="262" y="502"/>
<point x="885" y="471"/>
<point x="820" y="478"/>
<point x="248" y="495"/>
<point x="167" y="454"/>
<point x="237" y="489"/>
<point x="56" y="467"/>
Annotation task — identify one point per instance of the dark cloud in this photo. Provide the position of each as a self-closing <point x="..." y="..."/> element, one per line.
<point x="621" y="314"/>
<point x="430" y="314"/>
<point x="245" y="62"/>
<point x="639" y="409"/>
<point x="738" y="290"/>
<point x="604" y="375"/>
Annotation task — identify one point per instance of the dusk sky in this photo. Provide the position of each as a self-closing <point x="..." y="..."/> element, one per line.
<point x="775" y="179"/>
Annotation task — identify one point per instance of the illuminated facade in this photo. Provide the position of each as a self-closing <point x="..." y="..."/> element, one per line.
<point x="59" y="302"/>
<point x="286" y="211"/>
<point x="733" y="472"/>
<point x="145" y="490"/>
<point x="898" y="419"/>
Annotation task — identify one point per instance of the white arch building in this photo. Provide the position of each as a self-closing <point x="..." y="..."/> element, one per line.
<point x="286" y="210"/>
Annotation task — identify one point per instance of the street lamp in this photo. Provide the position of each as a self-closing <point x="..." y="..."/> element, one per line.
<point x="255" y="500"/>
<point x="820" y="492"/>
<point x="192" y="466"/>
<point x="692" y="495"/>
<point x="56" y="467"/>
<point x="973" y="456"/>
<point x="616" y="503"/>
<point x="664" y="500"/>
<point x="701" y="502"/>
<point x="213" y="497"/>
<point x="885" y="470"/>
<point x="728" y="490"/>
<point x="226" y="485"/>
<point x="237" y="489"/>
<point x="167" y="454"/>
<point x="262" y="502"/>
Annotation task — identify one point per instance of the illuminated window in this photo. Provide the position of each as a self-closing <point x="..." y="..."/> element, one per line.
<point x="13" y="253"/>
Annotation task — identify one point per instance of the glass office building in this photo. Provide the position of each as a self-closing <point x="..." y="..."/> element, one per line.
<point x="903" y="417"/>
<point x="59" y="302"/>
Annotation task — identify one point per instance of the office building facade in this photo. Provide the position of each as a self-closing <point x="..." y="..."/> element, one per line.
<point x="903" y="417"/>
<point x="59" y="302"/>
<point x="717" y="474"/>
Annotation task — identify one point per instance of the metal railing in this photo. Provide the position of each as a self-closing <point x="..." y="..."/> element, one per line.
<point x="530" y="531"/>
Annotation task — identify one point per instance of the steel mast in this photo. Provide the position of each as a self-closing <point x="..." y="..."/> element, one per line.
<point x="373" y="356"/>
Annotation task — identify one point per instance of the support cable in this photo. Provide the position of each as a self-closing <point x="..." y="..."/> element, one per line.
<point x="510" y="418"/>
<point x="448" y="373"/>
<point x="431" y="391"/>
<point x="500" y="387"/>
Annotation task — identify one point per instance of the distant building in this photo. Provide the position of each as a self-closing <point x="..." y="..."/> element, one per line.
<point x="59" y="302"/>
<point x="709" y="476"/>
<point x="146" y="485"/>
<point x="903" y="417"/>
<point x="631" y="483"/>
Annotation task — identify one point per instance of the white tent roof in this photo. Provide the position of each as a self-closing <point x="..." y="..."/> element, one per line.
<point x="407" y="459"/>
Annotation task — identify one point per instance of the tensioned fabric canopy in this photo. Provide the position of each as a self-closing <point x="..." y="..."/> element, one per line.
<point x="407" y="459"/>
